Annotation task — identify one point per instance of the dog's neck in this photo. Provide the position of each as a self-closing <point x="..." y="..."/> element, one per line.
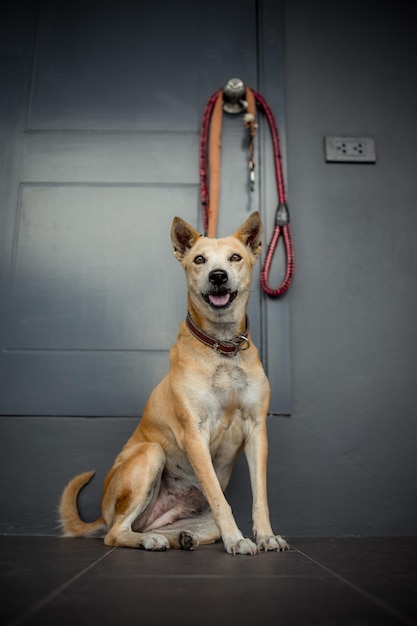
<point x="221" y="326"/>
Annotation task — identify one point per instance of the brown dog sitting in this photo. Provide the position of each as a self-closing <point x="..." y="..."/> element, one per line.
<point x="166" y="487"/>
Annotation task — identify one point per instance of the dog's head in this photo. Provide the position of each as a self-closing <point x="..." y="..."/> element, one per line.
<point x="219" y="271"/>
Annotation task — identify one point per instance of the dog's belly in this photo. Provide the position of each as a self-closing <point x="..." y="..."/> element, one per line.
<point x="178" y="498"/>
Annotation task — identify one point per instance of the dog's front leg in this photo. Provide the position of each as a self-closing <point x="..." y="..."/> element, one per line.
<point x="256" y="450"/>
<point x="198" y="453"/>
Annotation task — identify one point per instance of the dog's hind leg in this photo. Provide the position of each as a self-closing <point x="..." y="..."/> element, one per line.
<point x="188" y="534"/>
<point x="130" y="491"/>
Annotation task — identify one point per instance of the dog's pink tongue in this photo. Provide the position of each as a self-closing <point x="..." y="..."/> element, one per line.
<point x="219" y="300"/>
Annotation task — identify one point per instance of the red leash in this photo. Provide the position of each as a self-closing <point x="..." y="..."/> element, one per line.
<point x="204" y="135"/>
<point x="282" y="219"/>
<point x="282" y="216"/>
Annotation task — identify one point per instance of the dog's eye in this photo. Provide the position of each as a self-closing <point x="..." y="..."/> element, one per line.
<point x="235" y="257"/>
<point x="199" y="259"/>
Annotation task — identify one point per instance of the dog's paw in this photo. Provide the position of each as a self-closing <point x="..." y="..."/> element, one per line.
<point x="272" y="542"/>
<point x="242" y="546"/>
<point x="188" y="541"/>
<point x="155" y="542"/>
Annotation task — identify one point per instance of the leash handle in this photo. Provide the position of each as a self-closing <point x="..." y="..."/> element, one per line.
<point x="289" y="266"/>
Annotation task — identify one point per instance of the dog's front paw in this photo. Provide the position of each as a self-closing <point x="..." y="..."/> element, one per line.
<point x="242" y="546"/>
<point x="154" y="541"/>
<point x="272" y="542"/>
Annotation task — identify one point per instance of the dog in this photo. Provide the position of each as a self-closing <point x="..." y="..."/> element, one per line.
<point x="166" y="487"/>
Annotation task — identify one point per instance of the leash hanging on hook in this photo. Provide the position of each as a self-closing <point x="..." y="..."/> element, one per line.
<point x="235" y="98"/>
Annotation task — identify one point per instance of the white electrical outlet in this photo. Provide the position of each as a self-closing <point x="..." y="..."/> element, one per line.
<point x="350" y="149"/>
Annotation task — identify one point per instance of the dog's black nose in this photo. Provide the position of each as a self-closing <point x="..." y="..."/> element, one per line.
<point x="218" y="277"/>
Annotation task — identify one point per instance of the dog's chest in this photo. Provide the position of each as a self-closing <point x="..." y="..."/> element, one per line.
<point x="228" y="385"/>
<point x="228" y="379"/>
<point x="227" y="398"/>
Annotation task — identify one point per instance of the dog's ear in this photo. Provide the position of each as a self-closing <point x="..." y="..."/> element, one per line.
<point x="250" y="233"/>
<point x="183" y="237"/>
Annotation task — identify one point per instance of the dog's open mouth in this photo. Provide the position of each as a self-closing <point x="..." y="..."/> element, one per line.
<point x="219" y="299"/>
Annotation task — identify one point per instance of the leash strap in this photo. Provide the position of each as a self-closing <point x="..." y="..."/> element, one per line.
<point x="215" y="143"/>
<point x="210" y="134"/>
<point x="204" y="133"/>
<point x="282" y="216"/>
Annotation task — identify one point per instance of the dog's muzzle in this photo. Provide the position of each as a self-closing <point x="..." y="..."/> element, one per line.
<point x="219" y="296"/>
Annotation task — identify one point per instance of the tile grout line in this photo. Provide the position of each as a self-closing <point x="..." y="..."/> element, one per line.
<point x="369" y="596"/>
<point x="35" y="608"/>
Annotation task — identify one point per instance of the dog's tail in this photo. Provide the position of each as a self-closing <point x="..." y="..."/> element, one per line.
<point x="71" y="524"/>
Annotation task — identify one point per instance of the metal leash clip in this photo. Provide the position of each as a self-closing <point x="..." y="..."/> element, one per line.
<point x="235" y="102"/>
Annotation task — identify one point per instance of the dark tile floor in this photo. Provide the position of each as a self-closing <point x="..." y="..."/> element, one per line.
<point x="321" y="581"/>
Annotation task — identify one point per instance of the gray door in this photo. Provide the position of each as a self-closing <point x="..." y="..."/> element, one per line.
<point x="99" y="138"/>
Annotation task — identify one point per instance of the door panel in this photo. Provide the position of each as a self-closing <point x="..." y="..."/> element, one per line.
<point x="100" y="138"/>
<point x="117" y="157"/>
<point x="143" y="55"/>
<point x="82" y="253"/>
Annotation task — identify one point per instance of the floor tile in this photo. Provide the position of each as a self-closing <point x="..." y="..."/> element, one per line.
<point x="30" y="567"/>
<point x="384" y="567"/>
<point x="187" y="601"/>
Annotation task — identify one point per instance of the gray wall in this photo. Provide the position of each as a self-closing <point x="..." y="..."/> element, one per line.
<point x="344" y="463"/>
<point x="346" y="460"/>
